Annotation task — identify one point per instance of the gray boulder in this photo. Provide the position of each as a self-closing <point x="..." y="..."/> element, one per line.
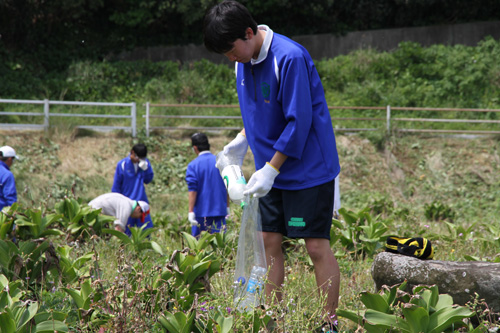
<point x="458" y="279"/>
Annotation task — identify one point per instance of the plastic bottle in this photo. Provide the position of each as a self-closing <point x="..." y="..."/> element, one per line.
<point x="235" y="182"/>
<point x="255" y="286"/>
<point x="233" y="177"/>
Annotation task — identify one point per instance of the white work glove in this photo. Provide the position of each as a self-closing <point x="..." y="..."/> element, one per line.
<point x="192" y="219"/>
<point x="143" y="164"/>
<point x="228" y="213"/>
<point x="237" y="149"/>
<point x="261" y="181"/>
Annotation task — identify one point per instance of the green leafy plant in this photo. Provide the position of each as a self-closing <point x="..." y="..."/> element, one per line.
<point x="83" y="299"/>
<point x="423" y="311"/>
<point x="7" y="220"/>
<point x="49" y="322"/>
<point x="178" y="322"/>
<point x="198" y="244"/>
<point x="16" y="315"/>
<point x="32" y="224"/>
<point x="188" y="273"/>
<point x="459" y="231"/>
<point x="28" y="261"/>
<point x="437" y="211"/>
<point x="81" y="220"/>
<point x="138" y="240"/>
<point x="71" y="269"/>
<point x="224" y="243"/>
<point x="358" y="233"/>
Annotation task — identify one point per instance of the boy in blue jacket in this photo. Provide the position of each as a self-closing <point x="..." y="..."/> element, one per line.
<point x="8" y="192"/>
<point x="207" y="195"/>
<point x="288" y="127"/>
<point x="131" y="174"/>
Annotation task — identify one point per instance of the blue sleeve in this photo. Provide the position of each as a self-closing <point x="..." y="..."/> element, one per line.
<point x="148" y="173"/>
<point x="9" y="188"/>
<point x="297" y="107"/>
<point x="191" y="180"/>
<point x="118" y="181"/>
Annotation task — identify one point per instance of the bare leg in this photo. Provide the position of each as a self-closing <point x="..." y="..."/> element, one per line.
<point x="326" y="269"/>
<point x="276" y="264"/>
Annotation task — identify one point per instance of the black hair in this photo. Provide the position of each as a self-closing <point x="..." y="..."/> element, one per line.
<point x="200" y="140"/>
<point x="140" y="150"/>
<point x="224" y="23"/>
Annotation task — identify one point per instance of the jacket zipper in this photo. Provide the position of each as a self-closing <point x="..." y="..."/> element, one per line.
<point x="254" y="84"/>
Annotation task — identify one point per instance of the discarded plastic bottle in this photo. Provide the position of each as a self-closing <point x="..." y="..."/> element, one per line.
<point x="255" y="286"/>
<point x="233" y="177"/>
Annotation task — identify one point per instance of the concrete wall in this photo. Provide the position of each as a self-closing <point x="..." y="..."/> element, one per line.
<point x="328" y="45"/>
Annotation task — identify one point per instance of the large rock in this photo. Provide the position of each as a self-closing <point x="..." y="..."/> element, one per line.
<point x="458" y="279"/>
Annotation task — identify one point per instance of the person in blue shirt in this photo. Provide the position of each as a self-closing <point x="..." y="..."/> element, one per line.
<point x="207" y="195"/>
<point x="288" y="127"/>
<point x="8" y="192"/>
<point x="132" y="173"/>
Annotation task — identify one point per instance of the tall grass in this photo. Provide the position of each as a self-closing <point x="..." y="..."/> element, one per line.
<point x="444" y="189"/>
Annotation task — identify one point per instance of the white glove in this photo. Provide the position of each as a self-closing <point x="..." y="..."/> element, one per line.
<point x="261" y="181"/>
<point x="143" y="164"/>
<point x="228" y="213"/>
<point x="192" y="219"/>
<point x="237" y="149"/>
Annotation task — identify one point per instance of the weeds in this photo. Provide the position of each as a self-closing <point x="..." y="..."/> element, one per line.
<point x="125" y="282"/>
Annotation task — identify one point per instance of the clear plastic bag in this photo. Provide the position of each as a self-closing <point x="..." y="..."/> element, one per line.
<point x="251" y="267"/>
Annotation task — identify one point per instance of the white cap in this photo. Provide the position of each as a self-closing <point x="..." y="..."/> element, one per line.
<point x="145" y="209"/>
<point x="8" y="151"/>
<point x="144" y="206"/>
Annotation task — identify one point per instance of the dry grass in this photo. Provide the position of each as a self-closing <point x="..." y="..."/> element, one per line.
<point x="409" y="173"/>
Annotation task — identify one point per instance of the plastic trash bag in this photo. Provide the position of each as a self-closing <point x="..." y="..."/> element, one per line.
<point x="250" y="258"/>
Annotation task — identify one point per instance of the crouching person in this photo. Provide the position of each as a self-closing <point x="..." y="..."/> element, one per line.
<point x="121" y="207"/>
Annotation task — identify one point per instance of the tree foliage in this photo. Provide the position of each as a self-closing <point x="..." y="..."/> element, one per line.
<point x="57" y="32"/>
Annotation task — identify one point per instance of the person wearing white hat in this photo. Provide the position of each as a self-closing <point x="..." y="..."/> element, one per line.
<point x="8" y="192"/>
<point x="121" y="207"/>
<point x="131" y="175"/>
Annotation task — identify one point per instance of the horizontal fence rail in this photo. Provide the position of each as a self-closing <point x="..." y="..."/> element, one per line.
<point x="148" y="116"/>
<point x="388" y="119"/>
<point x="449" y="120"/>
<point x="216" y="117"/>
<point x="47" y="114"/>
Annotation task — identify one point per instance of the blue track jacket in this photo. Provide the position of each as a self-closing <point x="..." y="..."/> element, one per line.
<point x="8" y="193"/>
<point x="203" y="177"/>
<point x="129" y="182"/>
<point x="284" y="109"/>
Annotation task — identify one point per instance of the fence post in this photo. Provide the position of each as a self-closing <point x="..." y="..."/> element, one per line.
<point x="388" y="119"/>
<point x="46" y="114"/>
<point x="134" y="120"/>
<point x="147" y="119"/>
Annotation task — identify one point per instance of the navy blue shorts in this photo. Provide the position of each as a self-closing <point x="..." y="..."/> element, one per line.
<point x="299" y="214"/>
<point x="212" y="224"/>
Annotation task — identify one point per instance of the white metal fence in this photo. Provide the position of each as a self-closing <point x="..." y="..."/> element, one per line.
<point x="163" y="117"/>
<point x="47" y="114"/>
<point x="390" y="119"/>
